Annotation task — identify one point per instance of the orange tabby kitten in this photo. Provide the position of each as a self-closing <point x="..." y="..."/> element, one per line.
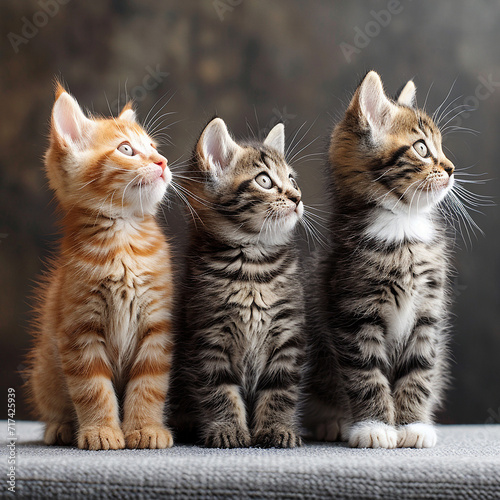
<point x="103" y="340"/>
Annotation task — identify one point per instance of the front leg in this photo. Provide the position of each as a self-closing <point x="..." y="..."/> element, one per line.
<point x="147" y="388"/>
<point x="277" y="394"/>
<point x="226" y="427"/>
<point x="88" y="375"/>
<point x="221" y="408"/>
<point x="363" y="362"/>
<point x="416" y="385"/>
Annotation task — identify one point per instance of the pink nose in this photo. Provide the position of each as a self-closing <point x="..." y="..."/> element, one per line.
<point x="162" y="163"/>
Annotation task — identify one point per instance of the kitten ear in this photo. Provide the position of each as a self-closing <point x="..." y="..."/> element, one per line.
<point x="276" y="138"/>
<point x="216" y="146"/>
<point x="128" y="113"/>
<point x="407" y="95"/>
<point x="373" y="104"/>
<point x="70" y="126"/>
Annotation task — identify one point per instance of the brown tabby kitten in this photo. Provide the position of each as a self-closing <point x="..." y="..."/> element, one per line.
<point x="238" y="359"/>
<point x="379" y="314"/>
<point x="103" y="334"/>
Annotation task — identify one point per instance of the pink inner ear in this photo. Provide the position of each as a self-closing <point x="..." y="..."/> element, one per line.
<point x="376" y="107"/>
<point x="69" y="118"/>
<point x="213" y="148"/>
<point x="217" y="145"/>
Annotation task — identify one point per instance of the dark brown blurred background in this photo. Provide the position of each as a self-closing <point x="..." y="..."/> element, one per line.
<point x="255" y="62"/>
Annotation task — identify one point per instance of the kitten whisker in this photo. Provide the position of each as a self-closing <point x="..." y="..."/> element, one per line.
<point x="468" y="222"/>
<point x="386" y="172"/>
<point x="414" y="193"/>
<point x="268" y="213"/>
<point x="479" y="198"/>
<point x="158" y="121"/>
<point x="288" y="149"/>
<point x="427" y="95"/>
<point x="449" y="151"/>
<point x="310" y="159"/>
<point x="156" y="131"/>
<point x="314" y="207"/>
<point x="442" y="115"/>
<point x="152" y="108"/>
<point x="99" y="210"/>
<point x="200" y="200"/>
<point x="406" y="190"/>
<point x="453" y="128"/>
<point x="465" y="107"/>
<point x="87" y="183"/>
<point x="309" y="227"/>
<point x="140" y="200"/>
<point x="147" y="125"/>
<point x="124" y="191"/>
<point x="444" y="127"/>
<point x="436" y="112"/>
<point x="191" y="209"/>
<point x="250" y="129"/>
<point x="111" y="203"/>
<point x="316" y="216"/>
<point x="291" y="152"/>
<point x="178" y="175"/>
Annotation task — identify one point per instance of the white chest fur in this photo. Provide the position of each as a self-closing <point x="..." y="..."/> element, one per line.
<point x="391" y="227"/>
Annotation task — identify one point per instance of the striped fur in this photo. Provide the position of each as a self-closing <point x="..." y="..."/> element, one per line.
<point x="379" y="304"/>
<point x="99" y="367"/>
<point x="239" y="355"/>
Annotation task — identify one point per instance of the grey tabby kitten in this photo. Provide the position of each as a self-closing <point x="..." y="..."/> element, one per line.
<point x="379" y="318"/>
<point x="240" y="347"/>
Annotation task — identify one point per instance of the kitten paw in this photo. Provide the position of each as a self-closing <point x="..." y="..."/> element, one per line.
<point x="327" y="431"/>
<point x="227" y="436"/>
<point x="417" y="435"/>
<point x="57" y="433"/>
<point x="277" y="437"/>
<point x="101" y="438"/>
<point x="372" y="435"/>
<point x="150" y="436"/>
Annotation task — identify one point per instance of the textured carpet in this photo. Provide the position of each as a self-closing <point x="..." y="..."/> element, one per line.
<point x="465" y="464"/>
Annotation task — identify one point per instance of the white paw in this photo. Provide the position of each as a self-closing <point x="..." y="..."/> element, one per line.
<point x="417" y="436"/>
<point x="372" y="434"/>
<point x="328" y="431"/>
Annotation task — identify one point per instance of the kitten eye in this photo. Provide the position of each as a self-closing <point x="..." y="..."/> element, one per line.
<point x="421" y="148"/>
<point x="126" y="149"/>
<point x="263" y="180"/>
<point x="293" y="182"/>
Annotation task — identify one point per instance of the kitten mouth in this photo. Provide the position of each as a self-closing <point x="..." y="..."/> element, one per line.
<point x="144" y="183"/>
<point x="149" y="182"/>
<point x="437" y="184"/>
<point x="288" y="212"/>
<point x="153" y="177"/>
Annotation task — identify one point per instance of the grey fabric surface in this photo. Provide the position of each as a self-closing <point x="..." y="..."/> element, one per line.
<point x="465" y="464"/>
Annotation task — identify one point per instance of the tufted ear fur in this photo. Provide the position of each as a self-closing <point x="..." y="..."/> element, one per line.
<point x="371" y="103"/>
<point x="128" y="113"/>
<point x="216" y="147"/>
<point x="276" y="138"/>
<point x="70" y="127"/>
<point x="408" y="94"/>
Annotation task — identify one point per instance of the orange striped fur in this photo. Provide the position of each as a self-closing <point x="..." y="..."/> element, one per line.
<point x="99" y="367"/>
